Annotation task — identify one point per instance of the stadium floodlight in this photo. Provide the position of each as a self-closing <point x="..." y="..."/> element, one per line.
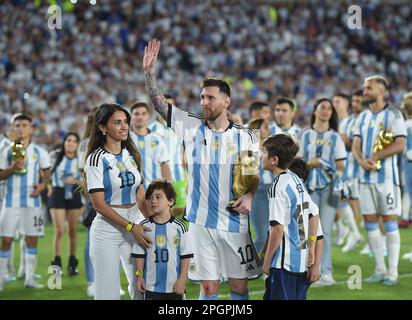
<point x="93" y="2"/>
<point x="73" y="1"/>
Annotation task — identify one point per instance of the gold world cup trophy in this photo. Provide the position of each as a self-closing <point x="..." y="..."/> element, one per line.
<point x="384" y="139"/>
<point x="246" y="167"/>
<point x="18" y="152"/>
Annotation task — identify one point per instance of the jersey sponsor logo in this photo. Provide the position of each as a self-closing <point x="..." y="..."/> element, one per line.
<point x="161" y="240"/>
<point x="176" y="240"/>
<point x="153" y="144"/>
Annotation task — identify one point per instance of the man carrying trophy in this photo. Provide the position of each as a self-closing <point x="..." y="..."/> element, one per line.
<point x="21" y="165"/>
<point x="379" y="136"/>
<point x="221" y="241"/>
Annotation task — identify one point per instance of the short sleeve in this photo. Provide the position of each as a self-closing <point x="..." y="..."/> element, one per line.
<point x="44" y="159"/>
<point x="138" y="251"/>
<point x="278" y="207"/>
<point x="313" y="208"/>
<point x="320" y="231"/>
<point x="94" y="176"/>
<point x="357" y="127"/>
<point x="180" y="121"/>
<point x="162" y="153"/>
<point x="186" y="250"/>
<point x="340" y="151"/>
<point x="3" y="159"/>
<point x="397" y="125"/>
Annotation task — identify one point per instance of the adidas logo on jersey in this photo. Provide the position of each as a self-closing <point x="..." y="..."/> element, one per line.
<point x="250" y="267"/>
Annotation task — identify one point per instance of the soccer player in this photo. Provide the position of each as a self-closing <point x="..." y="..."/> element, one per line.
<point x="285" y="110"/>
<point x="114" y="184"/>
<point x="379" y="188"/>
<point x="162" y="269"/>
<point x="221" y="238"/>
<point x="260" y="110"/>
<point x="177" y="162"/>
<point x="65" y="201"/>
<point x="324" y="151"/>
<point x="151" y="146"/>
<point x="341" y="103"/>
<point x="294" y="220"/>
<point x="22" y="204"/>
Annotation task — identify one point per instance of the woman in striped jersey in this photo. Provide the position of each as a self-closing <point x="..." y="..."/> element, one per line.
<point x="324" y="151"/>
<point x="65" y="201"/>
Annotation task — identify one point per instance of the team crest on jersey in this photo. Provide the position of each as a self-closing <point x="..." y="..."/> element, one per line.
<point x="161" y="240"/>
<point x="319" y="142"/>
<point x="153" y="144"/>
<point x="380" y="126"/>
<point x="121" y="166"/>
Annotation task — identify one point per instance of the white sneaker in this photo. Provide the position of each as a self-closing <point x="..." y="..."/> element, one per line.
<point x="366" y="250"/>
<point x="407" y="256"/>
<point x="90" y="290"/>
<point x="122" y="292"/>
<point x="352" y="242"/>
<point x="33" y="284"/>
<point x="325" y="280"/>
<point x="10" y="277"/>
<point x="340" y="236"/>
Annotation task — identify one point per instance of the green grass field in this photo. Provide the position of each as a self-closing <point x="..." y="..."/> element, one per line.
<point x="74" y="288"/>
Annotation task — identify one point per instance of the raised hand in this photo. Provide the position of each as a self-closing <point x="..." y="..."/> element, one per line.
<point x="150" y="54"/>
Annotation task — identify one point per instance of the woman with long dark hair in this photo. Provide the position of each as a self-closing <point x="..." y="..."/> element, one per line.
<point x="323" y="149"/>
<point x="65" y="201"/>
<point x="114" y="183"/>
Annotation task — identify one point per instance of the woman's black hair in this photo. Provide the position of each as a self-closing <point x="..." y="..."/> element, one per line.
<point x="61" y="152"/>
<point x="333" y="121"/>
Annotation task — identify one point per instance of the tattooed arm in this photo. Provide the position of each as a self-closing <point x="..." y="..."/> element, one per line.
<point x="149" y="60"/>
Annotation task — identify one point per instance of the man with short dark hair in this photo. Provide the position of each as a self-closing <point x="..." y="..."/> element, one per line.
<point x="285" y="110"/>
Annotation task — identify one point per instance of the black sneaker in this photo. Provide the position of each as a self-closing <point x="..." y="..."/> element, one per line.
<point x="73" y="262"/>
<point x="57" y="261"/>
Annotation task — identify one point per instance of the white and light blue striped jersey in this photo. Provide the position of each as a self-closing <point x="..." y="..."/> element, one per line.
<point x="291" y="206"/>
<point x="116" y="175"/>
<point x="294" y="131"/>
<point x="153" y="153"/>
<point x="347" y="127"/>
<point x="4" y="143"/>
<point x="162" y="265"/>
<point x="174" y="149"/>
<point x="68" y="167"/>
<point x="408" y="149"/>
<point x="19" y="187"/>
<point x="327" y="146"/>
<point x="367" y="127"/>
<point x="81" y="152"/>
<point x="211" y="156"/>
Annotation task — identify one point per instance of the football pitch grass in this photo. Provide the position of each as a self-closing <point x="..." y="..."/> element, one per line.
<point x="74" y="288"/>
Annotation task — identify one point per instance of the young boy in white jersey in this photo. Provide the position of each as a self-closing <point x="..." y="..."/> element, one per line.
<point x="294" y="220"/>
<point x="162" y="270"/>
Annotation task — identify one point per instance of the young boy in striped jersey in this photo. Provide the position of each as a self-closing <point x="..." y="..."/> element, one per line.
<point x="294" y="220"/>
<point x="162" y="270"/>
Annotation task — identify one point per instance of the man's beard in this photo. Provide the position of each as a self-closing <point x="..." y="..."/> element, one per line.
<point x="212" y="116"/>
<point x="369" y="100"/>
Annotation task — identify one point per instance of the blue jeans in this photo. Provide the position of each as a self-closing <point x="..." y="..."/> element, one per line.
<point x="260" y="216"/>
<point x="327" y="204"/>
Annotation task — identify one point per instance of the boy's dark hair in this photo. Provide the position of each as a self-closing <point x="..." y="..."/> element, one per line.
<point x="221" y="84"/>
<point x="257" y="106"/>
<point x="139" y="104"/>
<point x="167" y="188"/>
<point x="21" y="116"/>
<point x="283" y="147"/>
<point x="290" y="102"/>
<point x="299" y="167"/>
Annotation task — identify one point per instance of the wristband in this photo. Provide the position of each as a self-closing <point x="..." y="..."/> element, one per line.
<point x="139" y="273"/>
<point x="312" y="238"/>
<point x="129" y="226"/>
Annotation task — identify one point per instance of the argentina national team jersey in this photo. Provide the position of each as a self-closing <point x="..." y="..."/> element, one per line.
<point x="210" y="156"/>
<point x="347" y="127"/>
<point x="290" y="205"/>
<point x="66" y="168"/>
<point x="174" y="149"/>
<point x="153" y="152"/>
<point x="294" y="131"/>
<point x="329" y="147"/>
<point x="162" y="265"/>
<point x="367" y="127"/>
<point x="116" y="175"/>
<point x="408" y="128"/>
<point x="19" y="187"/>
